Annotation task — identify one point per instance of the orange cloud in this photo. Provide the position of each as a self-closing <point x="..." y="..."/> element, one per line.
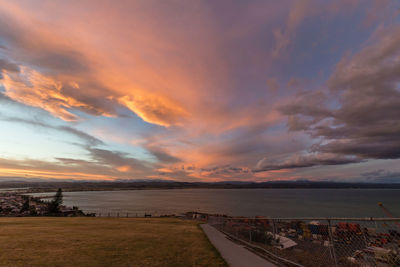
<point x="198" y="80"/>
<point x="158" y="82"/>
<point x="124" y="168"/>
<point x="79" y="70"/>
<point x="155" y="109"/>
<point x="34" y="89"/>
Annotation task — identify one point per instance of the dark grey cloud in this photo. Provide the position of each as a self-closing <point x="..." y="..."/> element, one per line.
<point x="87" y="138"/>
<point x="304" y="161"/>
<point x="111" y="161"/>
<point x="245" y="146"/>
<point x="306" y="110"/>
<point x="95" y="97"/>
<point x="178" y="175"/>
<point x="185" y="173"/>
<point x="117" y="159"/>
<point x="7" y="65"/>
<point x="69" y="161"/>
<point x="359" y="116"/>
<point x="381" y="175"/>
<point x="162" y="155"/>
<point x="225" y="170"/>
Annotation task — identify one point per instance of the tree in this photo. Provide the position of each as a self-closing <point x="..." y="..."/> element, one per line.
<point x="25" y="206"/>
<point x="54" y="205"/>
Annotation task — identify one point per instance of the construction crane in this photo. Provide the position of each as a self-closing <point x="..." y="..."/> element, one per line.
<point x="388" y="213"/>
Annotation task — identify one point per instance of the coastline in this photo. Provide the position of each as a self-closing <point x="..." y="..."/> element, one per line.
<point x="238" y="202"/>
<point x="82" y="186"/>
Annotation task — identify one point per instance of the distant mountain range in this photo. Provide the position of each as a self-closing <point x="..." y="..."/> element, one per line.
<point x="51" y="185"/>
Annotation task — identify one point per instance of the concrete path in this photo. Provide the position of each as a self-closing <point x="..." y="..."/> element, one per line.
<point x="234" y="254"/>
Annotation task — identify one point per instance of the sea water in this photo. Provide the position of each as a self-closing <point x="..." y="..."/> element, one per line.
<point x="240" y="202"/>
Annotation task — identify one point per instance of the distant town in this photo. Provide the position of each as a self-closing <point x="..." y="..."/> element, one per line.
<point x="14" y="204"/>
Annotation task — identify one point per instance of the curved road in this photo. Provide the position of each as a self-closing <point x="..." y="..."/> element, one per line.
<point x="234" y="254"/>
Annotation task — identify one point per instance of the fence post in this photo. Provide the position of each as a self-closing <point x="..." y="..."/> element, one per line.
<point x="108" y="214"/>
<point x="236" y="229"/>
<point x="127" y="215"/>
<point x="332" y="245"/>
<point x="273" y="228"/>
<point x="248" y="224"/>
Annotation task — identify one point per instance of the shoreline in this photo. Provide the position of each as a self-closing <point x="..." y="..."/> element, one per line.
<point x="79" y="186"/>
<point x="52" y="190"/>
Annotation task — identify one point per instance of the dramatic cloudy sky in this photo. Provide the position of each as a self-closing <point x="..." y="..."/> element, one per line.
<point x="200" y="90"/>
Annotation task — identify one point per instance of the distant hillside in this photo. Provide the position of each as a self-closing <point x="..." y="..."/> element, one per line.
<point x="47" y="185"/>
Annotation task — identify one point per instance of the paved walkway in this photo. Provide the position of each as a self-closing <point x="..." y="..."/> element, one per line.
<point x="234" y="254"/>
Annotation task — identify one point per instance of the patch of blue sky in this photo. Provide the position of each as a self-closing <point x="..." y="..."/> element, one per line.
<point x="22" y="134"/>
<point x="277" y="127"/>
<point x="11" y="109"/>
<point x="126" y="124"/>
<point x="131" y="150"/>
<point x="21" y="141"/>
<point x="320" y="44"/>
<point x="118" y="134"/>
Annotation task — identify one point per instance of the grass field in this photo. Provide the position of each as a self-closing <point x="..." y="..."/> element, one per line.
<point x="104" y="242"/>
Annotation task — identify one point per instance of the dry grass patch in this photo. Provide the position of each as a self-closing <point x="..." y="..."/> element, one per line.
<point x="104" y="242"/>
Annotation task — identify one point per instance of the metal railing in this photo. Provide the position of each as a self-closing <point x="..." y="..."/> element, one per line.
<point x="317" y="241"/>
<point x="122" y="214"/>
<point x="128" y="214"/>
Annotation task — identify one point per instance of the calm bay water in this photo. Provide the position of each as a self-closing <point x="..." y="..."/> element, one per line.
<point x="241" y="202"/>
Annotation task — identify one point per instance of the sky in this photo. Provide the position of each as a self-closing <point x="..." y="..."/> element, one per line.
<point x="200" y="90"/>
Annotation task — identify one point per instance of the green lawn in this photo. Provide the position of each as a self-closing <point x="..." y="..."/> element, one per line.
<point x="104" y="242"/>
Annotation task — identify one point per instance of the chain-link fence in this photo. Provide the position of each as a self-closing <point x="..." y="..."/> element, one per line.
<point x="318" y="241"/>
